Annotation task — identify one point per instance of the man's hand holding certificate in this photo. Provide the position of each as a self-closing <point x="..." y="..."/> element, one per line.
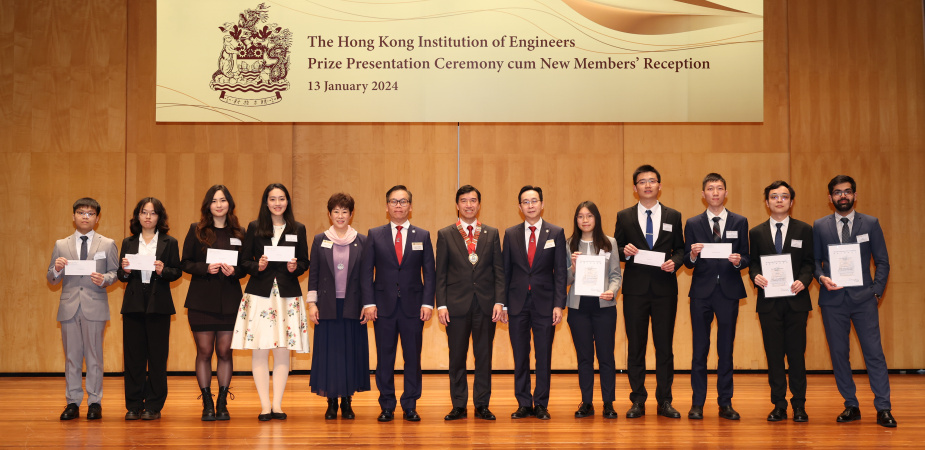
<point x="845" y="265"/>
<point x="777" y="270"/>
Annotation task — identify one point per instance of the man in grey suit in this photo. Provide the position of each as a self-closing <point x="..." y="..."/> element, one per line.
<point x="843" y="305"/>
<point x="84" y="307"/>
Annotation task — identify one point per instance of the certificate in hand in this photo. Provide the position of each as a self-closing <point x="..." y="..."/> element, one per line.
<point x="281" y="253"/>
<point x="778" y="270"/>
<point x="650" y="258"/>
<point x="77" y="267"/>
<point x="214" y="255"/>
<point x="140" y="262"/>
<point x="716" y="251"/>
<point x="845" y="264"/>
<point x="590" y="273"/>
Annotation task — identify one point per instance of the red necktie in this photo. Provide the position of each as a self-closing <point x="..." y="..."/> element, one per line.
<point x="531" y="250"/>
<point x="471" y="243"/>
<point x="398" y="244"/>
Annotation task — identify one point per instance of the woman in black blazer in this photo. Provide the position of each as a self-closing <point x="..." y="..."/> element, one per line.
<point x="214" y="294"/>
<point x="271" y="315"/>
<point x="340" y="363"/>
<point x="146" y="309"/>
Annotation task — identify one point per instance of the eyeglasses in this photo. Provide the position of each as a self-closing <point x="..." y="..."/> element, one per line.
<point x="651" y="181"/>
<point x="148" y="214"/>
<point x="783" y="197"/>
<point x="86" y="214"/>
<point x="396" y="202"/>
<point x="532" y="201"/>
<point x="845" y="193"/>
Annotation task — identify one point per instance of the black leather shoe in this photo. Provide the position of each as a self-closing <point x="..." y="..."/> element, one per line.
<point x="278" y="415"/>
<point x="482" y="412"/>
<point x="456" y="414"/>
<point x="778" y="414"/>
<point x="850" y="414"/>
<point x="71" y="411"/>
<point x="265" y="417"/>
<point x="726" y="412"/>
<point x="331" y="413"/>
<point x="95" y="411"/>
<point x="541" y="412"/>
<point x="346" y="411"/>
<point x="885" y="419"/>
<point x="666" y="410"/>
<point x="584" y="410"/>
<point x="636" y="411"/>
<point x="523" y="412"/>
<point x="412" y="416"/>
<point x="132" y="414"/>
<point x="696" y="412"/>
<point x="609" y="412"/>
<point x="799" y="415"/>
<point x="150" y="415"/>
<point x="386" y="416"/>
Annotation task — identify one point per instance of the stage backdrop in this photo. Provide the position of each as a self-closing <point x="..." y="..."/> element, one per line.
<point x="460" y="61"/>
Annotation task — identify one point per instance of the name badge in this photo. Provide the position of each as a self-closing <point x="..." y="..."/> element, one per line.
<point x="666" y="227"/>
<point x="863" y="237"/>
<point x="732" y="235"/>
<point x="549" y="244"/>
<point x="235" y="241"/>
<point x="606" y="255"/>
<point x="417" y="246"/>
<point x="292" y="238"/>
<point x="99" y="255"/>
<point x="796" y="243"/>
<point x="327" y="244"/>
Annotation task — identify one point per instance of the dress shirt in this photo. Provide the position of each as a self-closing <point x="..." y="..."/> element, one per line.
<point x="838" y="223"/>
<point x="527" y="232"/>
<point x="783" y="229"/>
<point x="277" y="233"/>
<point x="722" y="227"/>
<point x="656" y="220"/>
<point x="404" y="231"/>
<point x="147" y="248"/>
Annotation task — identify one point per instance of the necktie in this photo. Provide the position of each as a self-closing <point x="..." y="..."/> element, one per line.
<point x="649" y="234"/>
<point x="845" y="232"/>
<point x="779" y="239"/>
<point x="83" y="247"/>
<point x="398" y="243"/>
<point x="531" y="250"/>
<point x="717" y="236"/>
<point x="471" y="244"/>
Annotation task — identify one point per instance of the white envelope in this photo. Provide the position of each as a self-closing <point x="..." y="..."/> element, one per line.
<point x="282" y="253"/>
<point x="650" y="258"/>
<point x="76" y="267"/>
<point x="140" y="262"/>
<point x="720" y="250"/>
<point x="214" y="255"/>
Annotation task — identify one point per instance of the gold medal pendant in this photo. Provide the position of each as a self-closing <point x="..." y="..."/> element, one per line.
<point x="473" y="258"/>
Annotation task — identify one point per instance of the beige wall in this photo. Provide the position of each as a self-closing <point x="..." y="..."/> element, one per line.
<point x="844" y="93"/>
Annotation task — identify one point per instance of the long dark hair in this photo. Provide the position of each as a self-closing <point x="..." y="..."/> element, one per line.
<point x="205" y="229"/>
<point x="264" y="219"/>
<point x="600" y="239"/>
<point x="135" y="226"/>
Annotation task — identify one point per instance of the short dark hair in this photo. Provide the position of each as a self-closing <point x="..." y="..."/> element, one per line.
<point x="777" y="185"/>
<point x="342" y="200"/>
<point x="526" y="188"/>
<point x="135" y="226"/>
<point x="711" y="177"/>
<point x="397" y="187"/>
<point x="646" y="168"/>
<point x="839" y="179"/>
<point x="87" y="202"/>
<point x="467" y="189"/>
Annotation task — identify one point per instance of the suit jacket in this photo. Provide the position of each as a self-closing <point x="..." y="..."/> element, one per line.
<point x="610" y="283"/>
<point x="825" y="233"/>
<point x="458" y="279"/>
<point x="160" y="301"/>
<point x="321" y="278"/>
<point x="80" y="291"/>
<point x="546" y="279"/>
<point x="761" y="242"/>
<point x="214" y="293"/>
<point x="389" y="285"/>
<point x="261" y="282"/>
<point x="699" y="230"/>
<point x="640" y="279"/>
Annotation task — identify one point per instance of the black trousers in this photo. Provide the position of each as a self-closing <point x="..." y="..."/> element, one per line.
<point x="145" y="344"/>
<point x="637" y="309"/>
<point x="519" y="327"/>
<point x="479" y="325"/>
<point x="594" y="330"/>
<point x="784" y="333"/>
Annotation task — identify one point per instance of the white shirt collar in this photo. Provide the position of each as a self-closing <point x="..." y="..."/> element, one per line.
<point x="538" y="225"/>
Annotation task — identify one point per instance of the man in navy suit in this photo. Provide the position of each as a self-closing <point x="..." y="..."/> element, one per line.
<point x="534" y="278"/>
<point x="716" y="288"/>
<point x="402" y="258"/>
<point x="843" y="305"/>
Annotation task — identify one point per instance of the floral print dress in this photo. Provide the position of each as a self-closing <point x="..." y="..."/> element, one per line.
<point x="266" y="323"/>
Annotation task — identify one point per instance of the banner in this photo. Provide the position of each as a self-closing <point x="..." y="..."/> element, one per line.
<point x="460" y="61"/>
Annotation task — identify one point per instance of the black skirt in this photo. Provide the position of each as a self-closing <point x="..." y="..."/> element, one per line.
<point x="209" y="321"/>
<point x="340" y="361"/>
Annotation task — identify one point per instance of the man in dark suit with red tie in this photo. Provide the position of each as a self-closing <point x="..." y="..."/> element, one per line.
<point x="716" y="288"/>
<point x="535" y="280"/>
<point x="398" y="284"/>
<point x="783" y="316"/>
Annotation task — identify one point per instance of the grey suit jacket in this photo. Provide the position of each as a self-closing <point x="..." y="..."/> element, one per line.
<point x="79" y="291"/>
<point x="867" y="229"/>
<point x="610" y="283"/>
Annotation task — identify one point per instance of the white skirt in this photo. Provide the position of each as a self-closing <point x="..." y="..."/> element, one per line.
<point x="267" y="323"/>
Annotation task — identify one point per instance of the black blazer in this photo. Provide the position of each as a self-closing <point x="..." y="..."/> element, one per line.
<point x="321" y="278"/>
<point x="703" y="281"/>
<point x="214" y="293"/>
<point x="761" y="242"/>
<point x="261" y="283"/>
<point x="160" y="301"/>
<point x="639" y="279"/>
<point x="546" y="279"/>
<point x="458" y="279"/>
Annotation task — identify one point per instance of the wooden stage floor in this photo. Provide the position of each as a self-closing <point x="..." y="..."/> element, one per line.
<point x="31" y="407"/>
